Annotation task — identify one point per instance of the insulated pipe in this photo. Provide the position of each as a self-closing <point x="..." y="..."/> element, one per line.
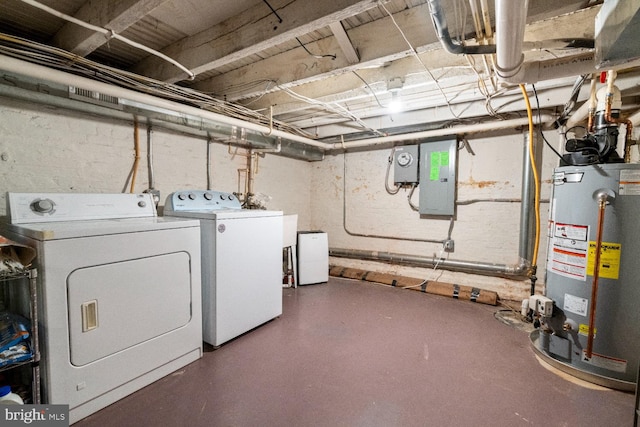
<point x="533" y="72"/>
<point x="39" y="72"/>
<point x="458" y="130"/>
<point x="511" y="18"/>
<point x="442" y="31"/>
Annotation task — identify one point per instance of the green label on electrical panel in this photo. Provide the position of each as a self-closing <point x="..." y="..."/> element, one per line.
<point x="438" y="159"/>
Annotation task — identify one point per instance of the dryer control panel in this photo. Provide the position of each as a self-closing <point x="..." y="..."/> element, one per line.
<point x="51" y="207"/>
<point x="201" y="200"/>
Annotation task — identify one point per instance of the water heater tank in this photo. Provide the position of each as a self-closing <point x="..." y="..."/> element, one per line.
<point x="562" y="338"/>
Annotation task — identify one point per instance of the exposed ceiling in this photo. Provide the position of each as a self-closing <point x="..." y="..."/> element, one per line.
<point x="327" y="68"/>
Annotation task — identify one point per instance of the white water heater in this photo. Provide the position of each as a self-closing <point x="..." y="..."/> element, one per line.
<point x="593" y="332"/>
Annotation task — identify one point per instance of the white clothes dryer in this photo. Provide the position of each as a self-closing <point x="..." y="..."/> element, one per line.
<point x="120" y="292"/>
<point x="241" y="261"/>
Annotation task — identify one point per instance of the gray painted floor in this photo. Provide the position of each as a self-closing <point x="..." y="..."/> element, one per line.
<point x="352" y="353"/>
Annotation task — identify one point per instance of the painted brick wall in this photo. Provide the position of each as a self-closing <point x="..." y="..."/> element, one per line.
<point x="487" y="232"/>
<point x="43" y="149"/>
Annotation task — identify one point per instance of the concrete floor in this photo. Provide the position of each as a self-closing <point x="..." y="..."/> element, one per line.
<point x="352" y="353"/>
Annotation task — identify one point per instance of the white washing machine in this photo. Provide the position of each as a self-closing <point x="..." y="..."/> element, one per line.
<point x="241" y="261"/>
<point x="120" y="293"/>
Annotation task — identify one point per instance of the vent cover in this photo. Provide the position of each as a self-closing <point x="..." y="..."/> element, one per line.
<point x="94" y="97"/>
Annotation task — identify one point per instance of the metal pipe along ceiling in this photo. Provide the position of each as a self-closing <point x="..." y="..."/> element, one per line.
<point x="41" y="73"/>
<point x="511" y="18"/>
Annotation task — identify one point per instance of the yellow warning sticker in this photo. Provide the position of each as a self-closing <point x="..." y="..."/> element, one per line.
<point x="584" y="330"/>
<point x="609" y="259"/>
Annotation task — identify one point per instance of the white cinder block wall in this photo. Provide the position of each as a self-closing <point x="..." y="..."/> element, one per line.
<point x="44" y="149"/>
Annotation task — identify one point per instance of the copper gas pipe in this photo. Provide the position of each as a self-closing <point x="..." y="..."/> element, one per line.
<point x="602" y="202"/>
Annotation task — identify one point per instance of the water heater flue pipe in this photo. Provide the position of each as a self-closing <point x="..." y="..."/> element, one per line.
<point x="511" y="18"/>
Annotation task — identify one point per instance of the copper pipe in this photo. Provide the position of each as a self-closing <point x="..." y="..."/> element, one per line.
<point x="136" y="142"/>
<point x="602" y="202"/>
<point x="592" y="103"/>
<point x="618" y="120"/>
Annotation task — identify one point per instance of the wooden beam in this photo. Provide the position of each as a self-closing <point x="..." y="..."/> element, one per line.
<point x="115" y="16"/>
<point x="345" y="43"/>
<point x="378" y="42"/>
<point x="249" y="33"/>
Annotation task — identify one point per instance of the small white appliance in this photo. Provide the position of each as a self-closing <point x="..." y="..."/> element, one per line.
<point x="241" y="261"/>
<point x="313" y="257"/>
<point x="120" y="293"/>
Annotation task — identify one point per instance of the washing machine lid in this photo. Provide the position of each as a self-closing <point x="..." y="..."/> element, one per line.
<point x="77" y="229"/>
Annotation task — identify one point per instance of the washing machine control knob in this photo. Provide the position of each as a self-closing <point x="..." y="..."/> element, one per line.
<point x="42" y="206"/>
<point x="222" y="197"/>
<point x="230" y="196"/>
<point x="192" y="196"/>
<point x="181" y="196"/>
<point x="208" y="196"/>
<point x="142" y="203"/>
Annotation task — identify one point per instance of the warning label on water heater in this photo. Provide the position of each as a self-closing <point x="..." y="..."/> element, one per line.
<point x="629" y="182"/>
<point x="609" y="259"/>
<point x="569" y="250"/>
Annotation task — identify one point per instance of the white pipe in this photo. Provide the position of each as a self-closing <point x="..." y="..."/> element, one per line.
<point x="537" y="71"/>
<point x="39" y="72"/>
<point x="109" y="34"/>
<point x="511" y="18"/>
<point x="475" y="128"/>
<point x="611" y="78"/>
<point x="578" y="116"/>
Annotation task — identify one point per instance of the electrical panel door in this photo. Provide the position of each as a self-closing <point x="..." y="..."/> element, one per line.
<point x="438" y="177"/>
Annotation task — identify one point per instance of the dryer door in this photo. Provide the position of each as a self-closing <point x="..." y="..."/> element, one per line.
<point x="116" y="306"/>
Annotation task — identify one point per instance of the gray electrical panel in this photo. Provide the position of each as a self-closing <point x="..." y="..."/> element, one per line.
<point x="438" y="177"/>
<point x="405" y="165"/>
